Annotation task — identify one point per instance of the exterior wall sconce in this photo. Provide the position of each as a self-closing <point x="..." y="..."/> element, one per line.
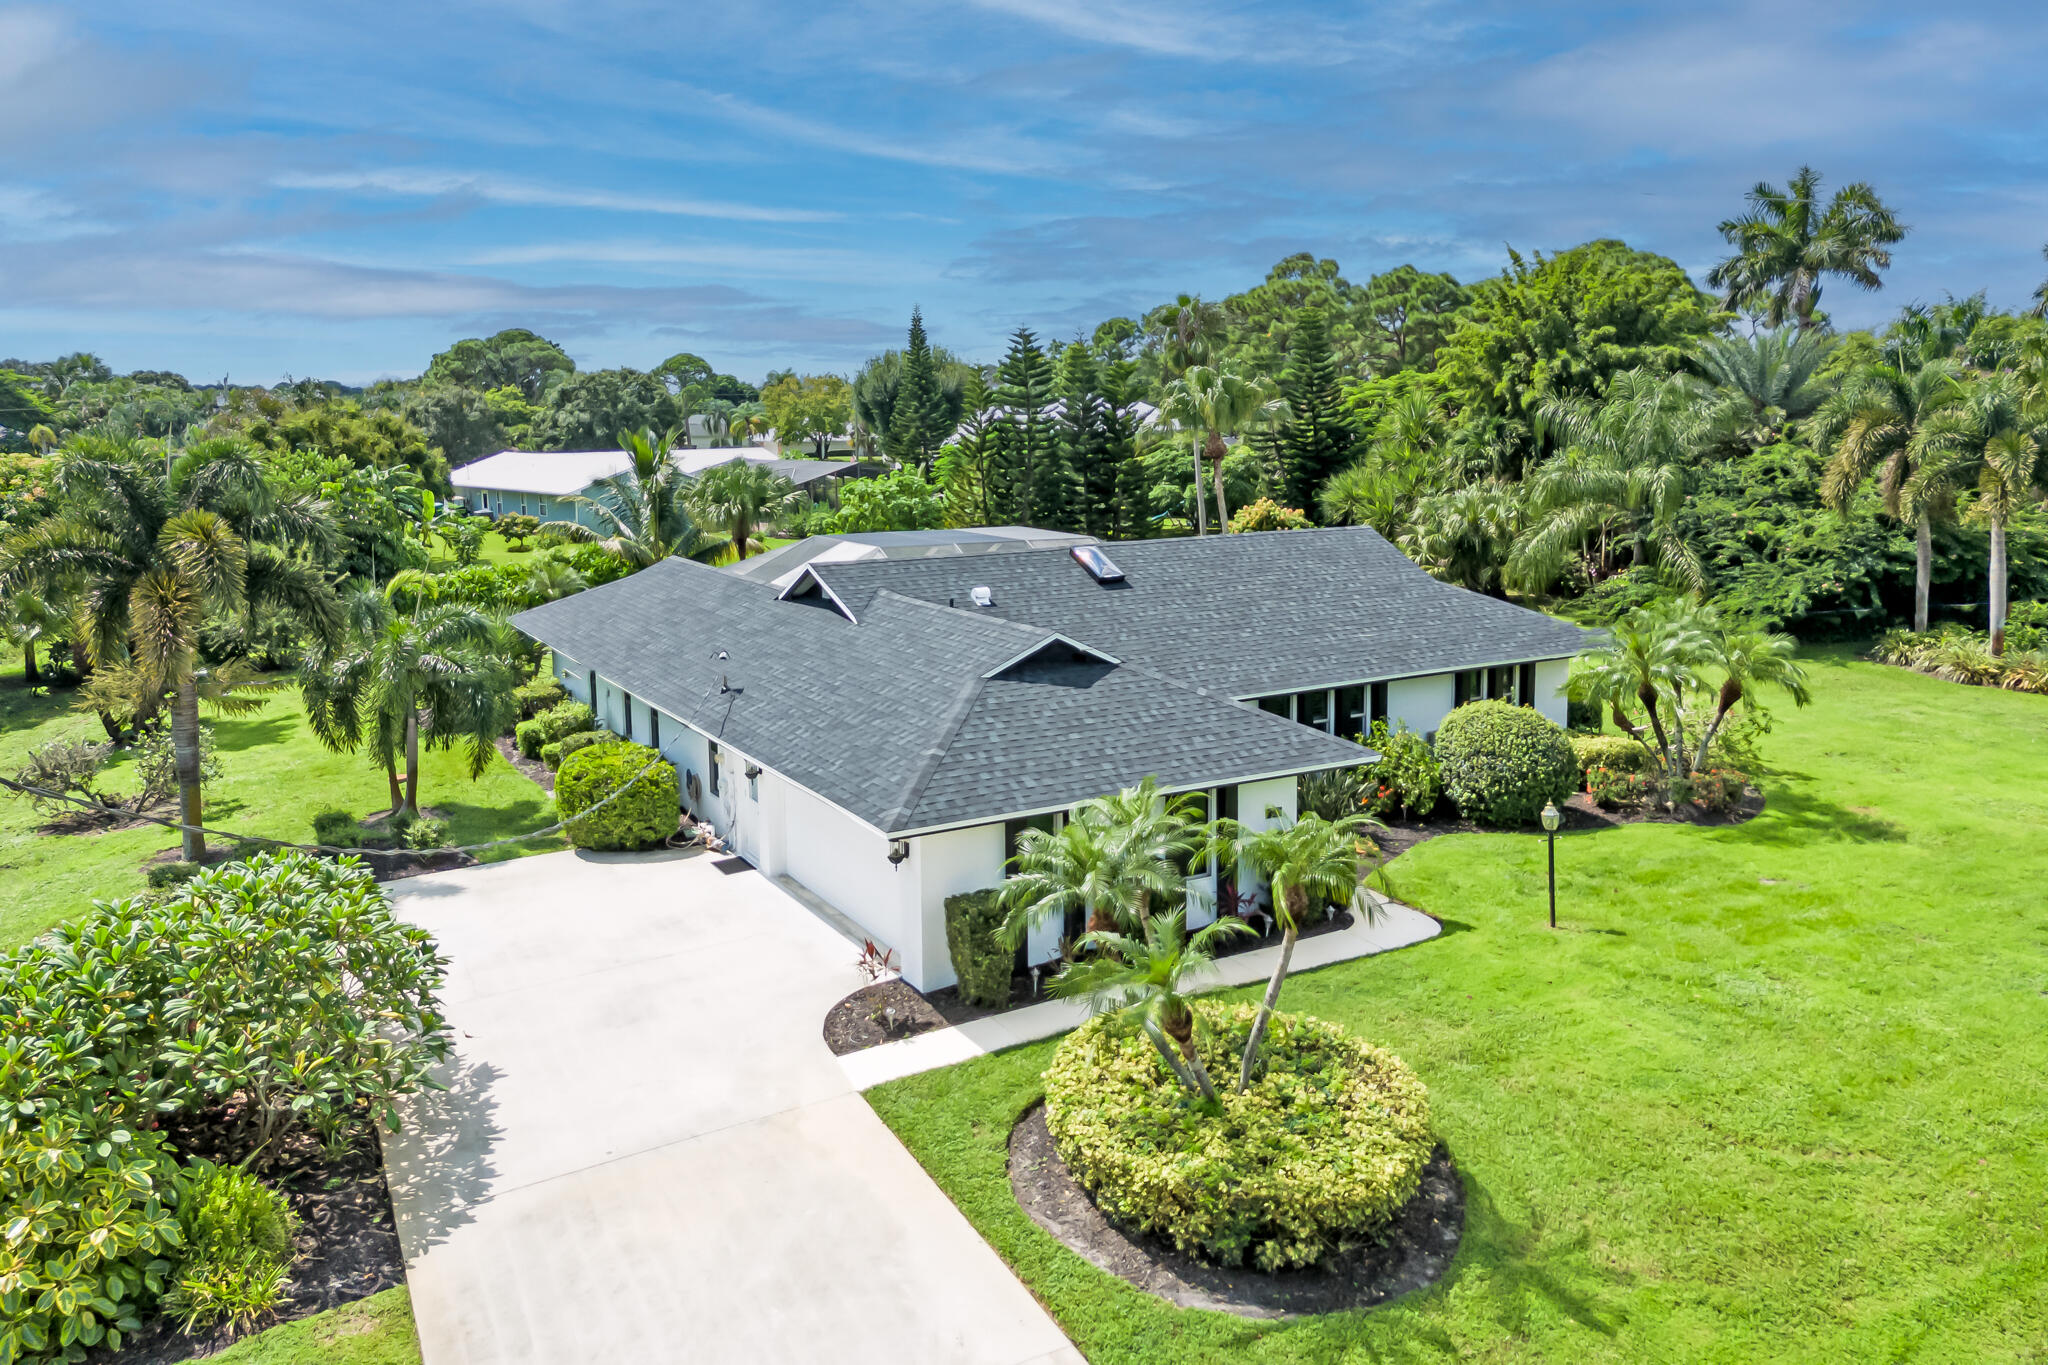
<point x="899" y="849"/>
<point x="753" y="771"/>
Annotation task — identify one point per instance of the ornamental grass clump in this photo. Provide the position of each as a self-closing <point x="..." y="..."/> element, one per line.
<point x="1318" y="1155"/>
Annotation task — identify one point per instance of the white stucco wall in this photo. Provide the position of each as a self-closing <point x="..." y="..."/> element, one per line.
<point x="1421" y="702"/>
<point x="847" y="863"/>
<point x="1254" y="799"/>
<point x="505" y="500"/>
<point x="1550" y="680"/>
<point x="947" y="864"/>
<point x="573" y="676"/>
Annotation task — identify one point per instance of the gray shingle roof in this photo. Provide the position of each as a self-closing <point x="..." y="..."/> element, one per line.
<point x="1244" y="615"/>
<point x="893" y="718"/>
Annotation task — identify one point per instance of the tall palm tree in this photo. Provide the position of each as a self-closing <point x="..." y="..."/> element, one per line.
<point x="1761" y="383"/>
<point x="1990" y="443"/>
<point x="1625" y="471"/>
<point x="1213" y="404"/>
<point x="1788" y="241"/>
<point x="1147" y="975"/>
<point x="437" y="675"/>
<point x="1112" y="856"/>
<point x="644" y="512"/>
<point x="1189" y="331"/>
<point x="739" y="496"/>
<point x="1750" y="659"/>
<point x="159" y="553"/>
<point x="1873" y="423"/>
<point x="1312" y="861"/>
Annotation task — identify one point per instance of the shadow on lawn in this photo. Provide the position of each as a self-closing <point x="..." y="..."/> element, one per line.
<point x="1517" y="1269"/>
<point x="237" y="733"/>
<point x="1794" y="815"/>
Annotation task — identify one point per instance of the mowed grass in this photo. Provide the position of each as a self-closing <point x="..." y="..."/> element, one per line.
<point x="373" y="1331"/>
<point x="1773" y="1092"/>
<point x="275" y="777"/>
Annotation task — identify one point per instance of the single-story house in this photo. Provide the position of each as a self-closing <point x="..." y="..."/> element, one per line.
<point x="881" y="730"/>
<point x="781" y="564"/>
<point x="536" y="481"/>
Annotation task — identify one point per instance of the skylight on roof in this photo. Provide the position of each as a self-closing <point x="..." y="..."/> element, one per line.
<point x="1099" y="565"/>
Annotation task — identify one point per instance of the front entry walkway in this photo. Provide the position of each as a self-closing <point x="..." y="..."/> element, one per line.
<point x="646" y="1152"/>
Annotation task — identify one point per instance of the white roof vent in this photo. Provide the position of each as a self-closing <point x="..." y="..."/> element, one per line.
<point x="1099" y="565"/>
<point x="982" y="596"/>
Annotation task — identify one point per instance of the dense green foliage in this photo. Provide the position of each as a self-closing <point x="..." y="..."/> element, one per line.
<point x="1318" y="1154"/>
<point x="238" y="1248"/>
<point x="640" y="796"/>
<point x="553" y="754"/>
<point x="559" y="721"/>
<point x="1503" y="763"/>
<point x="981" y="959"/>
<point x="1407" y="777"/>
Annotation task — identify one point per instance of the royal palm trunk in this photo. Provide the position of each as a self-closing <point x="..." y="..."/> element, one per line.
<point x="1998" y="587"/>
<point x="1201" y="501"/>
<point x="185" y="753"/>
<point x="1923" y="572"/>
<point x="412" y="763"/>
<point x="29" y="676"/>
<point x="1216" y="453"/>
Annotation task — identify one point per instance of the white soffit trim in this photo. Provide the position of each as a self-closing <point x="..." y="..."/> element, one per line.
<point x="796" y="588"/>
<point x="1047" y="643"/>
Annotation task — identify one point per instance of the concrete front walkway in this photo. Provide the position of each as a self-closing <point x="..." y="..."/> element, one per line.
<point x="646" y="1152"/>
<point x="1394" y="926"/>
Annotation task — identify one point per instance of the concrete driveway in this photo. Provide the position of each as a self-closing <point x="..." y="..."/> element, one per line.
<point x="646" y="1152"/>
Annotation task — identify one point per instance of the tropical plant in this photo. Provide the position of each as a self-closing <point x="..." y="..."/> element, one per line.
<point x="643" y="513"/>
<point x="1147" y="979"/>
<point x="1113" y="855"/>
<point x="1652" y="650"/>
<point x="1788" y="242"/>
<point x="1990" y="443"/>
<point x="1406" y="777"/>
<point x="1748" y="659"/>
<point x="1761" y="384"/>
<point x="30" y="614"/>
<point x="1874" y="422"/>
<point x="1187" y="332"/>
<point x="1213" y="404"/>
<point x="437" y="676"/>
<point x="738" y="497"/>
<point x="238" y="1247"/>
<point x="63" y="767"/>
<point x="1309" y="864"/>
<point x="1465" y="535"/>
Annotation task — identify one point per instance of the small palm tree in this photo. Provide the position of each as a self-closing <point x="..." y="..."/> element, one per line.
<point x="438" y="675"/>
<point x="1146" y="977"/>
<point x="1789" y="241"/>
<point x="739" y="496"/>
<point x="644" y="512"/>
<point x="30" y="614"/>
<point x="1874" y="423"/>
<point x="1110" y="859"/>
<point x="1990" y="442"/>
<point x="1761" y="383"/>
<point x="1214" y="404"/>
<point x="1750" y="659"/>
<point x="1308" y="863"/>
<point x="548" y="579"/>
<point x="1650" y="651"/>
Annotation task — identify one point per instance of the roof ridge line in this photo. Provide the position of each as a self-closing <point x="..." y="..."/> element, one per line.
<point x="935" y="754"/>
<point x="1039" y="632"/>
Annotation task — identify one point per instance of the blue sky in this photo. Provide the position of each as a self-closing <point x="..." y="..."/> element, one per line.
<point x="340" y="190"/>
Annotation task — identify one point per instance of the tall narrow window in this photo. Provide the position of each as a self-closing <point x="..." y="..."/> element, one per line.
<point x="543" y="508"/>
<point x="654" y="729"/>
<point x="1351" y="716"/>
<point x="712" y="765"/>
<point x="1313" y="709"/>
<point x="1525" y="686"/>
<point x="1468" y="686"/>
<point x="1379" y="703"/>
<point x="1500" y="683"/>
<point x="626" y="705"/>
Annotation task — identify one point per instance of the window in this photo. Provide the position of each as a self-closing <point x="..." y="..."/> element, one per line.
<point x="590" y="694"/>
<point x="1500" y="683"/>
<point x="1525" y="687"/>
<point x="1313" y="709"/>
<point x="654" y="729"/>
<point x="543" y="505"/>
<point x="1351" y="716"/>
<point x="1223" y="802"/>
<point x="1282" y="707"/>
<point x="1379" y="703"/>
<point x="712" y="764"/>
<point x="1470" y="685"/>
<point x="626" y="705"/>
<point x="522" y="504"/>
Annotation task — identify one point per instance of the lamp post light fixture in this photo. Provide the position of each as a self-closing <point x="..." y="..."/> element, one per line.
<point x="1551" y="818"/>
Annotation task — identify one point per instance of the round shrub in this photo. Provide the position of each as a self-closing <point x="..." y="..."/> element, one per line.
<point x="1320" y="1154"/>
<point x="1501" y="763"/>
<point x="646" y="814"/>
<point x="1616" y="753"/>
<point x="569" y="744"/>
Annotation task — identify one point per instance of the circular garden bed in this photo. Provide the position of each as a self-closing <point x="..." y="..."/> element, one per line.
<point x="1321" y="1187"/>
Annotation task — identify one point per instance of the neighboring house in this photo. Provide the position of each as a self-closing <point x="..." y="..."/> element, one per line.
<point x="781" y="564"/>
<point x="882" y="730"/>
<point x="535" y="481"/>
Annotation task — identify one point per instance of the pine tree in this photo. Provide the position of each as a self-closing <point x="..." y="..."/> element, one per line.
<point x="917" y="419"/>
<point x="1085" y="421"/>
<point x="963" y="465"/>
<point x="1133" y="520"/>
<point x="1316" y="440"/>
<point x="1026" y="479"/>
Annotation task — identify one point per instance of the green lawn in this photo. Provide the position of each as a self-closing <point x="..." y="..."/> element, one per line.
<point x="373" y="1331"/>
<point x="1774" y="1093"/>
<point x="275" y="778"/>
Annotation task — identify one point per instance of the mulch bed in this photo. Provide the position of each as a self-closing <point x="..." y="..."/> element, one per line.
<point x="1415" y="1251"/>
<point x="860" y="1021"/>
<point x="542" y="775"/>
<point x="347" y="1242"/>
<point x="385" y="864"/>
<point x="79" y="820"/>
<point x="1579" y="813"/>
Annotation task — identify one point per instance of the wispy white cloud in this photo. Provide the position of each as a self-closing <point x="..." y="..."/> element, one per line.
<point x="989" y="150"/>
<point x="743" y="259"/>
<point x="1182" y="30"/>
<point x="439" y="184"/>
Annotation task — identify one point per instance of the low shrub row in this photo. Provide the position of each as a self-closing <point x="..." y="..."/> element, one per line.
<point x="1964" y="656"/>
<point x="557" y="722"/>
<point x="553" y="754"/>
<point x="980" y="959"/>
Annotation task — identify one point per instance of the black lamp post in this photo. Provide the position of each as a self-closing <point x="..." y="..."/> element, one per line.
<point x="1550" y="819"/>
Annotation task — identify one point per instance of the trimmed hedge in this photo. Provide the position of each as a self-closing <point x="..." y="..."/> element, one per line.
<point x="538" y="694"/>
<point x="648" y="812"/>
<point x="1615" y="753"/>
<point x="557" y="722"/>
<point x="553" y="754"/>
<point x="1320" y="1154"/>
<point x="1501" y="763"/>
<point x="979" y="958"/>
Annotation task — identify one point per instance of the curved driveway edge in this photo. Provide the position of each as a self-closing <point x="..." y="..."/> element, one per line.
<point x="646" y="1152"/>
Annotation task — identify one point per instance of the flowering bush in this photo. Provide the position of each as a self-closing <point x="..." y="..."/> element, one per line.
<point x="1321" y="1153"/>
<point x="1716" y="789"/>
<point x="1407" y="777"/>
<point x="1618" y="788"/>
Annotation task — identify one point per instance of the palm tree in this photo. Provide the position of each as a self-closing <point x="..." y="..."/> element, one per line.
<point x="1312" y="861"/>
<point x="1625" y="471"/>
<point x="1379" y="491"/>
<point x="1147" y="977"/>
<point x="30" y="614"/>
<point x="548" y="579"/>
<point x="2040" y="308"/>
<point x="1465" y="535"/>
<point x="158" y="554"/>
<point x="1750" y="658"/>
<point x="437" y="675"/>
<point x="1787" y="242"/>
<point x="1650" y="651"/>
<point x="1874" y="423"/>
<point x="739" y="496"/>
<point x="1213" y="404"/>
<point x="1989" y="442"/>
<point x="747" y="421"/>
<point x="1110" y="858"/>
<point x="1762" y="382"/>
<point x="1189" y="332"/>
<point x="644" y="511"/>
